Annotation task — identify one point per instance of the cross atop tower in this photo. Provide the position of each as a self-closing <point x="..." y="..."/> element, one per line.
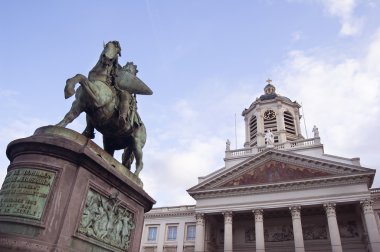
<point x="269" y="81"/>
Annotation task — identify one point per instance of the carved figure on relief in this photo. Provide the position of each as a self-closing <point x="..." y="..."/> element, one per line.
<point x="105" y="220"/>
<point x="108" y="97"/>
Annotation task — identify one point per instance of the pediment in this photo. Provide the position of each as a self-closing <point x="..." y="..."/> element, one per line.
<point x="272" y="172"/>
<point x="275" y="168"/>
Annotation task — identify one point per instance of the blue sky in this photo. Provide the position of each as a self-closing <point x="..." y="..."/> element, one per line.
<point x="205" y="61"/>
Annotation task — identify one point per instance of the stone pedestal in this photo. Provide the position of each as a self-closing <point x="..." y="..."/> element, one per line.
<point x="62" y="192"/>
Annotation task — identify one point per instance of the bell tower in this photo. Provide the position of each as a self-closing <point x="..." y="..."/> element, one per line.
<point x="272" y="112"/>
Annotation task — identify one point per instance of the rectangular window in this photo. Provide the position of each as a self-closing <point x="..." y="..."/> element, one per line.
<point x="152" y="233"/>
<point x="190" y="232"/>
<point x="172" y="233"/>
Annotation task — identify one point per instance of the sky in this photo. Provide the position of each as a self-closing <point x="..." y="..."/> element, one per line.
<point x="205" y="62"/>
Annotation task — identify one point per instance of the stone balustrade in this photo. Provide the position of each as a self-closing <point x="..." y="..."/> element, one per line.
<point x="278" y="146"/>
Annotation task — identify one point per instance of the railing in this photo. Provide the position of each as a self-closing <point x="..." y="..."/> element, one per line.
<point x="281" y="146"/>
<point x="375" y="190"/>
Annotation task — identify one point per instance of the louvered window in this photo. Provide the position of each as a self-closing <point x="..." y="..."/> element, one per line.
<point x="289" y="123"/>
<point x="253" y="128"/>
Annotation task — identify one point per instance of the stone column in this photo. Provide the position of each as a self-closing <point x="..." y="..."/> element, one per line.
<point x="370" y="221"/>
<point x="280" y="124"/>
<point x="259" y="230"/>
<point x="298" y="123"/>
<point x="199" y="233"/>
<point x="336" y="244"/>
<point x="228" y="231"/>
<point x="297" y="228"/>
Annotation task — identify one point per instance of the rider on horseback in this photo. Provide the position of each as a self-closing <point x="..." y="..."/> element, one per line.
<point x="106" y="97"/>
<point x="128" y="118"/>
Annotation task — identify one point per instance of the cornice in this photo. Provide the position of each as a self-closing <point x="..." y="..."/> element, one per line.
<point x="281" y="187"/>
<point x="333" y="167"/>
<point x="274" y="101"/>
<point x="170" y="212"/>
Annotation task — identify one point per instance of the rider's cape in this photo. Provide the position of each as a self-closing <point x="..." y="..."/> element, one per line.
<point x="131" y="83"/>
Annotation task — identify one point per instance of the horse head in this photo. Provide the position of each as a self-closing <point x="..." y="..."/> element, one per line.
<point x="110" y="52"/>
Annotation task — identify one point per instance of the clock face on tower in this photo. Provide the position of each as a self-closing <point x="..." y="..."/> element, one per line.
<point x="269" y="114"/>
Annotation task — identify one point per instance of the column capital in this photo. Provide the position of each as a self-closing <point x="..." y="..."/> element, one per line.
<point x="295" y="211"/>
<point x="258" y="214"/>
<point x="227" y="216"/>
<point x="200" y="218"/>
<point x="367" y="205"/>
<point x="330" y="208"/>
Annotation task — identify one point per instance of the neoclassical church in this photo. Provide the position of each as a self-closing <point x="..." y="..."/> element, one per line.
<point x="280" y="192"/>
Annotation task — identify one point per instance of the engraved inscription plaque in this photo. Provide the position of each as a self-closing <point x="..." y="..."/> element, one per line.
<point x="24" y="192"/>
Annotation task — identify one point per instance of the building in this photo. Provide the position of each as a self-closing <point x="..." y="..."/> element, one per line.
<point x="281" y="192"/>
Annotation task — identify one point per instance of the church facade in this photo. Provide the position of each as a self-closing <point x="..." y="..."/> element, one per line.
<point x="280" y="192"/>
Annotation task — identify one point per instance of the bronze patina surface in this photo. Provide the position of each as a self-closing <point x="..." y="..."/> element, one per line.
<point x="24" y="192"/>
<point x="108" y="97"/>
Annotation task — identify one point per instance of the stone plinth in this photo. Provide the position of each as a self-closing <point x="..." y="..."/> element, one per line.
<point x="64" y="193"/>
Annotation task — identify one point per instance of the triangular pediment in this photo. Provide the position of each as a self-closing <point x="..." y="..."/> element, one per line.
<point x="275" y="168"/>
<point x="272" y="172"/>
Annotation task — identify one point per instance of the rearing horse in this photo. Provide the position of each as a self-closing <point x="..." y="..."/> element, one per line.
<point x="98" y="97"/>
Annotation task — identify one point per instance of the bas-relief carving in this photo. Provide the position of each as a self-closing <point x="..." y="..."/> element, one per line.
<point x="348" y="229"/>
<point x="278" y="234"/>
<point x="274" y="171"/>
<point x="105" y="220"/>
<point x="250" y="235"/>
<point x="285" y="233"/>
<point x="314" y="232"/>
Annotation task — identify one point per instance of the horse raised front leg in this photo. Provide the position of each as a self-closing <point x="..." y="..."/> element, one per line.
<point x="73" y="113"/>
<point x="70" y="84"/>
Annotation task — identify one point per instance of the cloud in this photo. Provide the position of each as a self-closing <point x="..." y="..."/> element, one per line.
<point x="170" y="171"/>
<point x="340" y="96"/>
<point x="344" y="10"/>
<point x="192" y="142"/>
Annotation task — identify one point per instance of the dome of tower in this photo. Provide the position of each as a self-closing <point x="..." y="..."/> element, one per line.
<point x="270" y="93"/>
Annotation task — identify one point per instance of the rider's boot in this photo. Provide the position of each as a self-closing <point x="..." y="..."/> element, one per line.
<point x="124" y="107"/>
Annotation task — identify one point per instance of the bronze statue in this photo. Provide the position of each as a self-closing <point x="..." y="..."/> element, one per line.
<point x="108" y="96"/>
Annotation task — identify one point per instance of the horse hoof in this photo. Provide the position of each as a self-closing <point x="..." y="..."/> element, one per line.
<point x="90" y="135"/>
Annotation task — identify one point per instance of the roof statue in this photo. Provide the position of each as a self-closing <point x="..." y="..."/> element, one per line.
<point x="228" y="145"/>
<point x="108" y="97"/>
<point x="269" y="138"/>
<point x="315" y="131"/>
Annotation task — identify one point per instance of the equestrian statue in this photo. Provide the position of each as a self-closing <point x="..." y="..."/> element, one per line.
<point x="108" y="96"/>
